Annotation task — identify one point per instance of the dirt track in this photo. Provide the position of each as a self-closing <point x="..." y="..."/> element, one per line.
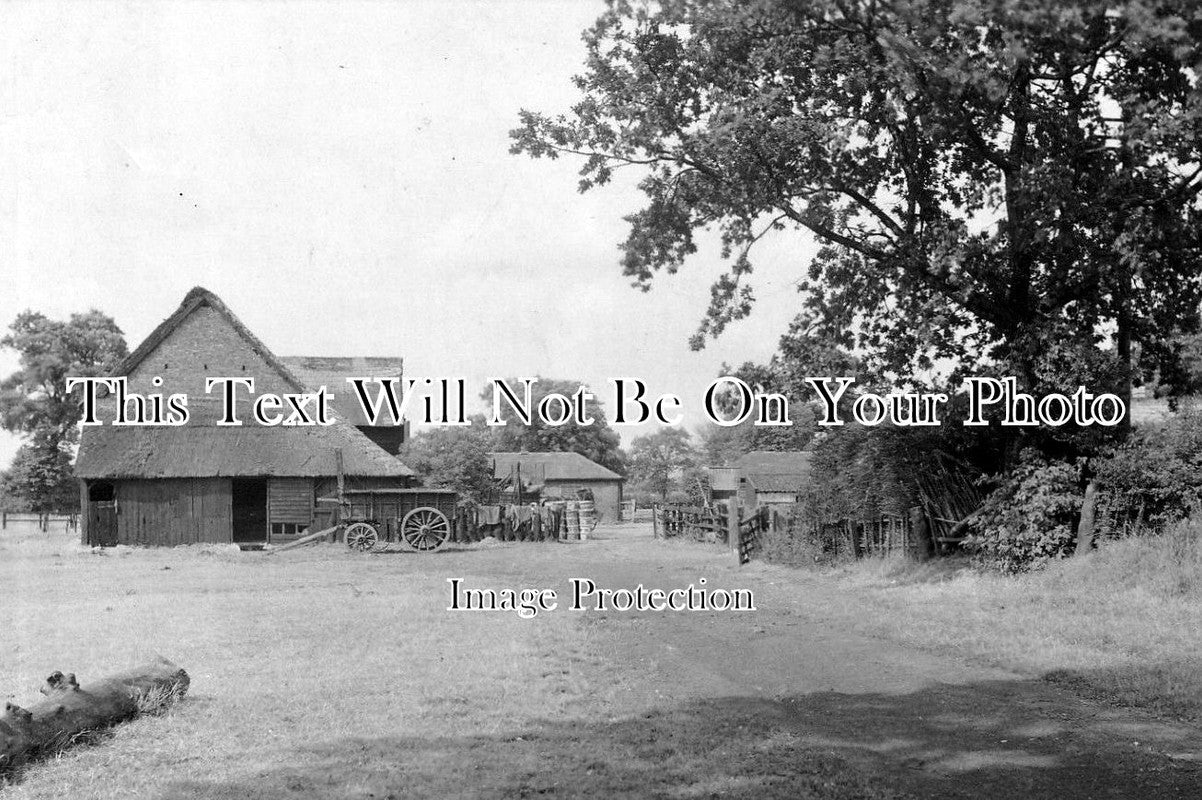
<point x="804" y="698"/>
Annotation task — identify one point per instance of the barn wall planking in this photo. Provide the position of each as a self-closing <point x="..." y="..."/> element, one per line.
<point x="174" y="511"/>
<point x="290" y="500"/>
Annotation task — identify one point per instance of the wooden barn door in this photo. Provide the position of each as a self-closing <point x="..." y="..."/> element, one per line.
<point x="102" y="514"/>
<point x="250" y="510"/>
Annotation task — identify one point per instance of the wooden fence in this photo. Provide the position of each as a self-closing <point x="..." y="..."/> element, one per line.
<point x="43" y="521"/>
<point x="702" y="523"/>
<point x="714" y="523"/>
<point x="751" y="534"/>
<point x="885" y="535"/>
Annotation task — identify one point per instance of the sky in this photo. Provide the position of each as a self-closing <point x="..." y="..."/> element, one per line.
<point x="339" y="175"/>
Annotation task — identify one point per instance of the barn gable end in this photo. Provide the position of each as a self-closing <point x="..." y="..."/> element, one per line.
<point x="203" y="482"/>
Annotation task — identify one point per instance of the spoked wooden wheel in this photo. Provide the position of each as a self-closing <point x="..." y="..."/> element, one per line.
<point x="361" y="536"/>
<point x="425" y="529"/>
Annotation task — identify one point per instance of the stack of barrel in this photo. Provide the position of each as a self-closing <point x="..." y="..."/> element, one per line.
<point x="571" y="520"/>
<point x="588" y="517"/>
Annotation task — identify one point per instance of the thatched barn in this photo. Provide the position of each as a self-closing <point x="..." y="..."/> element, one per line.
<point x="201" y="482"/>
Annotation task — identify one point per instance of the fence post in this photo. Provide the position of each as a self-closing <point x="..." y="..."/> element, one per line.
<point x="924" y="542"/>
<point x="732" y="529"/>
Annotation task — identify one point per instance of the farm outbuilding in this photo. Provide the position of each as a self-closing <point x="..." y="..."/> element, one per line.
<point x="561" y="475"/>
<point x="763" y="477"/>
<point x="204" y="482"/>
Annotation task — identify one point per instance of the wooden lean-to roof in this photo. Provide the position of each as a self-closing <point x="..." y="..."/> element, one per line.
<point x="201" y="448"/>
<point x="769" y="471"/>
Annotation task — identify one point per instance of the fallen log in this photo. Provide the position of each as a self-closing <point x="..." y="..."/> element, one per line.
<point x="71" y="712"/>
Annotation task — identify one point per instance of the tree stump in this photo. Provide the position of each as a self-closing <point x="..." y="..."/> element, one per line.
<point x="70" y="712"/>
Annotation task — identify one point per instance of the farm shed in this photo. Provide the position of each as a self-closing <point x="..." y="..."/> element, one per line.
<point x="562" y="474"/>
<point x="201" y="482"/>
<point x="768" y="478"/>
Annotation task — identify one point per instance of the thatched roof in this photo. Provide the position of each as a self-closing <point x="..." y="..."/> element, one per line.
<point x="552" y="466"/>
<point x="332" y="372"/>
<point x="203" y="449"/>
<point x="197" y="297"/>
<point x="771" y="471"/>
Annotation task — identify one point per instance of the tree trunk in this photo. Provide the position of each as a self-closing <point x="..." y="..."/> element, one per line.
<point x="70" y="711"/>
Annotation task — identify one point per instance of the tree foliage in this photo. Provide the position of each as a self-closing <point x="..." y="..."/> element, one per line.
<point x="453" y="458"/>
<point x="597" y="441"/>
<point x="985" y="177"/>
<point x="34" y="399"/>
<point x="40" y="478"/>
<point x="35" y="403"/>
<point x="723" y="445"/>
<point x="659" y="461"/>
<point x="1155" y="478"/>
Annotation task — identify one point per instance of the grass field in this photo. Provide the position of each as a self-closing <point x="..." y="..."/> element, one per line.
<point x="322" y="673"/>
<point x="1123" y="622"/>
<point x="326" y="673"/>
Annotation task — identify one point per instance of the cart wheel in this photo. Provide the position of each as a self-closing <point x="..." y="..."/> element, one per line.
<point x="361" y="536"/>
<point x="425" y="529"/>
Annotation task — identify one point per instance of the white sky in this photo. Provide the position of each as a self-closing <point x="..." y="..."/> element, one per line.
<point x="339" y="174"/>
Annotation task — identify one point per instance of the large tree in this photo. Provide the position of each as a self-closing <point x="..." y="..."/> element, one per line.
<point x="1005" y="182"/>
<point x="40" y="477"/>
<point x="35" y="403"/>
<point x="659" y="461"/>
<point x="34" y="399"/>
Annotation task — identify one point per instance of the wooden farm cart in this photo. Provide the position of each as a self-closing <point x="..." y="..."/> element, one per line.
<point x="418" y="518"/>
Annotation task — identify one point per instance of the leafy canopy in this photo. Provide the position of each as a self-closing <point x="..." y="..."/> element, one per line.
<point x="35" y="403"/>
<point x="985" y="177"/>
<point x="34" y="399"/>
<point x="659" y="461"/>
<point x="453" y="458"/>
<point x="598" y="441"/>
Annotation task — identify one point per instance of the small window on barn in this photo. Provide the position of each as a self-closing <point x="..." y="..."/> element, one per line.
<point x="101" y="492"/>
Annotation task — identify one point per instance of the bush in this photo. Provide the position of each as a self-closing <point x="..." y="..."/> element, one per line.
<point x="1030" y="519"/>
<point x="802" y="543"/>
<point x="1155" y="479"/>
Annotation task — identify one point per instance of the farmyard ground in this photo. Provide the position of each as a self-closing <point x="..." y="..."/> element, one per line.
<point x="322" y="673"/>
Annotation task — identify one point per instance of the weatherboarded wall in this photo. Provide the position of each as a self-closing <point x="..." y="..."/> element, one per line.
<point x="173" y="511"/>
<point x="290" y="500"/>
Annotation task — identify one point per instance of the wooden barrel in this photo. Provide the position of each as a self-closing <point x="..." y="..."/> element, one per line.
<point x="571" y="519"/>
<point x="588" y="517"/>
